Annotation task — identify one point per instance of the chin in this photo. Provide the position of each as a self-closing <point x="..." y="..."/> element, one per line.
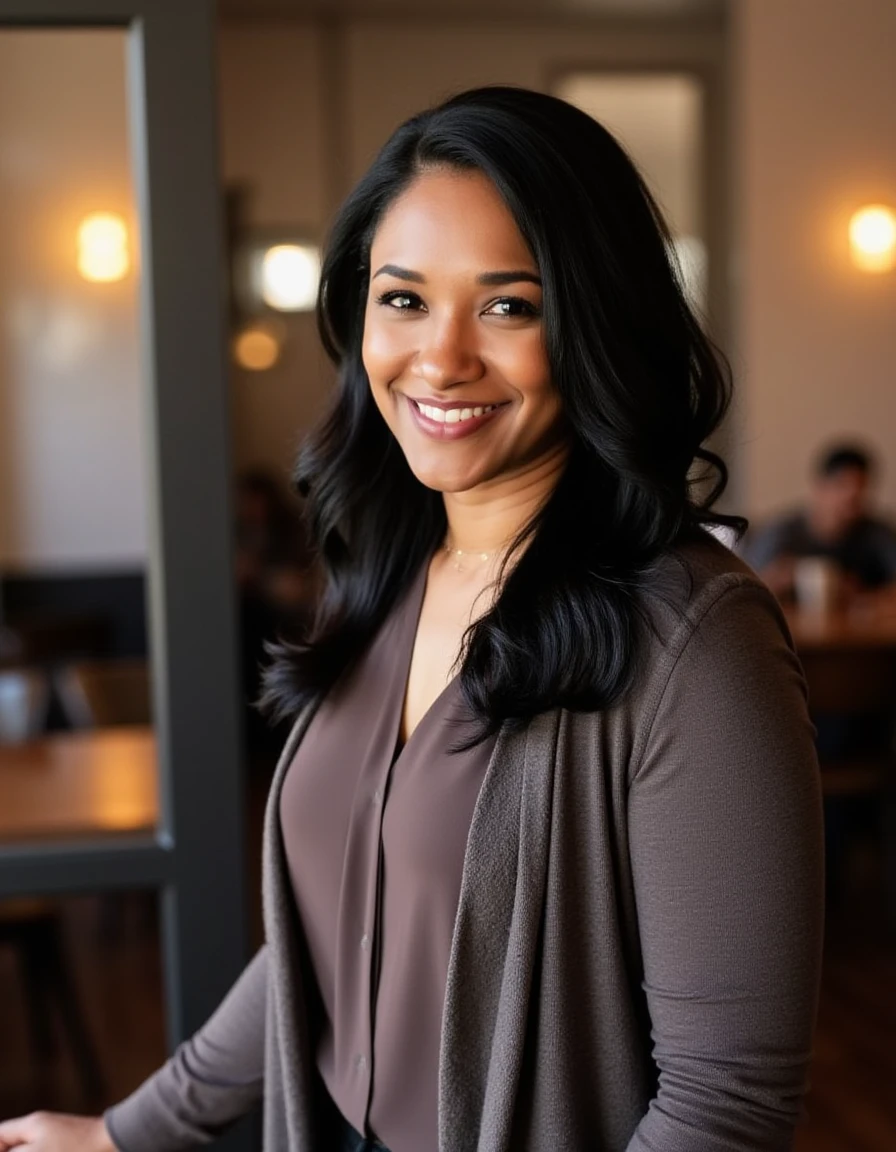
<point x="441" y="479"/>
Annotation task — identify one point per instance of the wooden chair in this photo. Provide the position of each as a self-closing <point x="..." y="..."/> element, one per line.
<point x="34" y="929"/>
<point x="856" y="686"/>
<point x="102" y="693"/>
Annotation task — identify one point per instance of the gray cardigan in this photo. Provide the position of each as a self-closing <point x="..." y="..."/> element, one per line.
<point x="636" y="953"/>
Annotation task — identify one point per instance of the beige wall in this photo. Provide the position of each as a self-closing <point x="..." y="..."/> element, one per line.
<point x="272" y="126"/>
<point x="816" y="136"/>
<point x="72" y="481"/>
<point x="395" y="70"/>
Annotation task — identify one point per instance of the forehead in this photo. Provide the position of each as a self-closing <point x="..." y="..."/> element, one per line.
<point x="450" y="217"/>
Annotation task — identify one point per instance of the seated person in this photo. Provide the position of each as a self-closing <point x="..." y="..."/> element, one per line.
<point x="837" y="524"/>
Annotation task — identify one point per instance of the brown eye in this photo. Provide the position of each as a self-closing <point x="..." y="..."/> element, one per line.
<point x="513" y="307"/>
<point x="400" y="301"/>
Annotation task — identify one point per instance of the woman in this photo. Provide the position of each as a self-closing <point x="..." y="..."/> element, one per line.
<point x="543" y="850"/>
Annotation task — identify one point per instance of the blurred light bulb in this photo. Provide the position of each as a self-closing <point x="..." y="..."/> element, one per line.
<point x="103" y="247"/>
<point x="256" y="348"/>
<point x="872" y="238"/>
<point x="290" y="274"/>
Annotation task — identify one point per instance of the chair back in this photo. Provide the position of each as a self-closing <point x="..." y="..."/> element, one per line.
<point x="851" y="681"/>
<point x="105" y="693"/>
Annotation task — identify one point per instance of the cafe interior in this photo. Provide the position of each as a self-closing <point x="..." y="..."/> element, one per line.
<point x="167" y="176"/>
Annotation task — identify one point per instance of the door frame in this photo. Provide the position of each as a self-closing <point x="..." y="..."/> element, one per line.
<point x="196" y="857"/>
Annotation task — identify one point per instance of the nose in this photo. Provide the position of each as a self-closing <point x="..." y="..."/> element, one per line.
<point x="449" y="354"/>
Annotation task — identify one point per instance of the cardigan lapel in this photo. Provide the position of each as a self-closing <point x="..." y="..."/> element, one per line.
<point x="496" y="940"/>
<point x="288" y="1109"/>
<point x="493" y="953"/>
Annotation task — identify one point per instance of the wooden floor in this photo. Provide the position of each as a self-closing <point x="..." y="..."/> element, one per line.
<point x="115" y="955"/>
<point x="852" y="1101"/>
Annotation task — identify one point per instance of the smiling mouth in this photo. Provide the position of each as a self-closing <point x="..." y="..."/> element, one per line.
<point x="458" y="415"/>
<point x="454" y="421"/>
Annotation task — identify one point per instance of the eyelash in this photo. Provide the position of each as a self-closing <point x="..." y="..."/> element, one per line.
<point x="527" y="308"/>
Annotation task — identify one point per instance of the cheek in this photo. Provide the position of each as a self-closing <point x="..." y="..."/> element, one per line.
<point x="381" y="354"/>
<point x="381" y="365"/>
<point x="536" y="386"/>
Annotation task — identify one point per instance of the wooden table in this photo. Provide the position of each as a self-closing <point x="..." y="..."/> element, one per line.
<point x="859" y="628"/>
<point x="849" y="659"/>
<point x="74" y="785"/>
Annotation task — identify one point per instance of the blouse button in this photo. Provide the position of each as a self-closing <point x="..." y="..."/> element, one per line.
<point x="362" y="1063"/>
<point x="365" y="941"/>
<point x="377" y="796"/>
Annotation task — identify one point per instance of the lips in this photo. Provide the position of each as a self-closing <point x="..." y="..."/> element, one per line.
<point x="452" y="415"/>
<point x="451" y="422"/>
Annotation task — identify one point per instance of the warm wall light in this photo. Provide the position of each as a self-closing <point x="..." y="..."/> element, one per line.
<point x="103" y="247"/>
<point x="289" y="276"/>
<point x="257" y="347"/>
<point x="872" y="238"/>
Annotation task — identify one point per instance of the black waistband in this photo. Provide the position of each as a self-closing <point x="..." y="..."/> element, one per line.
<point x="343" y="1137"/>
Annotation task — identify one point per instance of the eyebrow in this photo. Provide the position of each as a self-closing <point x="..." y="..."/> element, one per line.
<point x="488" y="279"/>
<point x="491" y="279"/>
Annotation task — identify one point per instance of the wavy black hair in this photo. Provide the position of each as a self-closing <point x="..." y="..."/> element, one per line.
<point x="642" y="388"/>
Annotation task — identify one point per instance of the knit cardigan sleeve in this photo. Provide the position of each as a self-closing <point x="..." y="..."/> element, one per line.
<point x="211" y="1080"/>
<point x="726" y="847"/>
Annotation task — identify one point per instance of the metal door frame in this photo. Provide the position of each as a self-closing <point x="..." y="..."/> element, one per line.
<point x="196" y="858"/>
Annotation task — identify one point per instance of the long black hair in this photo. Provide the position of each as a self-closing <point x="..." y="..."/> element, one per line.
<point x="642" y="388"/>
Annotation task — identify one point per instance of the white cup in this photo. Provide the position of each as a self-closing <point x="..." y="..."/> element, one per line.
<point x="816" y="581"/>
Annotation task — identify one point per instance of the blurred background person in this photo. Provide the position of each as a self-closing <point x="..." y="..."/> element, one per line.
<point x="837" y="527"/>
<point x="838" y="524"/>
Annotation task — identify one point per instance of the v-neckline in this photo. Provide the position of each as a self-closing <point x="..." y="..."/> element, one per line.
<point x="410" y="623"/>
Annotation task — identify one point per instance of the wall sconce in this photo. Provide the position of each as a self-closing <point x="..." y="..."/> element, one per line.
<point x="103" y="247"/>
<point x="288" y="276"/>
<point x="257" y="346"/>
<point x="280" y="273"/>
<point x="872" y="238"/>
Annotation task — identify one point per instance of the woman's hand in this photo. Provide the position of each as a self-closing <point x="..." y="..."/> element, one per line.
<point x="54" y="1132"/>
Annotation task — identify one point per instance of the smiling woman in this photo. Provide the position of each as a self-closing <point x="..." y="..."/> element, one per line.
<point x="543" y="863"/>
<point x="454" y="348"/>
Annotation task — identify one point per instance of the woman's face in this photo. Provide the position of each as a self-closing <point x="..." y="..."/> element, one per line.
<point x="454" y="342"/>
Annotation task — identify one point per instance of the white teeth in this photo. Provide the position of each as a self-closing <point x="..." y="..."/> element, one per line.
<point x="453" y="415"/>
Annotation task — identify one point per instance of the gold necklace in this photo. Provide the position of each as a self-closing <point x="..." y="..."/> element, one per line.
<point x="457" y="555"/>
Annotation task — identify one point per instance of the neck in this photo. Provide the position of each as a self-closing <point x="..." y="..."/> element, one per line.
<point x="486" y="518"/>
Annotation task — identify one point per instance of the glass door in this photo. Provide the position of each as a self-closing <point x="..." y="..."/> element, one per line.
<point x="120" y="758"/>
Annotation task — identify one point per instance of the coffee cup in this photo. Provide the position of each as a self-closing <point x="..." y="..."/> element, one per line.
<point x="816" y="582"/>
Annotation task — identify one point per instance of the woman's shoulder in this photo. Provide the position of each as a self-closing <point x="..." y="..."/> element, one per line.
<point x="711" y="635"/>
<point x="713" y="647"/>
<point x="700" y="587"/>
<point x="697" y="570"/>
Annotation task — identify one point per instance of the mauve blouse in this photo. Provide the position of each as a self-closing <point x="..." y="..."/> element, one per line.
<point x="375" y="836"/>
